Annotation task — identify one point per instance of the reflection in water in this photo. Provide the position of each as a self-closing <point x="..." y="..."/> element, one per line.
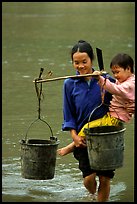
<point x="65" y="186"/>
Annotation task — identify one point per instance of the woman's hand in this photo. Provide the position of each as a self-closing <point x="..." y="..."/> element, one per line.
<point x="78" y="140"/>
<point x="96" y="74"/>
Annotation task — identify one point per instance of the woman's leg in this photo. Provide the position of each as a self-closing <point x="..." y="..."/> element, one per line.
<point x="90" y="183"/>
<point x="103" y="189"/>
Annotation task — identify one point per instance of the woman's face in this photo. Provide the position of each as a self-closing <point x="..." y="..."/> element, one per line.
<point x="82" y="63"/>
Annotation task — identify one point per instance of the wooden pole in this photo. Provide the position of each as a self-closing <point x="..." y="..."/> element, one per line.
<point x="66" y="77"/>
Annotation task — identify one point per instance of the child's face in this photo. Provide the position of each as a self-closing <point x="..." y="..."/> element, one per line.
<point x="120" y="73"/>
<point x="82" y="62"/>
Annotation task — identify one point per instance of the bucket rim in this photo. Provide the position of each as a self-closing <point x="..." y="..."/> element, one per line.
<point x="53" y="142"/>
<point x="105" y="133"/>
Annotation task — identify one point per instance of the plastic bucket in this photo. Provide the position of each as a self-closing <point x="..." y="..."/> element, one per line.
<point x="38" y="158"/>
<point x="105" y="147"/>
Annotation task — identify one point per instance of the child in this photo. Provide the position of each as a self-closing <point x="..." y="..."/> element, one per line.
<point x="122" y="106"/>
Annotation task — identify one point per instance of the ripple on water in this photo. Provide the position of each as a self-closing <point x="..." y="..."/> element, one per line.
<point x="66" y="185"/>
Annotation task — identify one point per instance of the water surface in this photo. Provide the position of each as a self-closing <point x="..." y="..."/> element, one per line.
<point x="36" y="35"/>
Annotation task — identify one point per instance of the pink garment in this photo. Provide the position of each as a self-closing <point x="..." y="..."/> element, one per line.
<point x="123" y="97"/>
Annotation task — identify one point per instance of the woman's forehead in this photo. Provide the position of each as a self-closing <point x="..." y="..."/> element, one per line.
<point x="80" y="55"/>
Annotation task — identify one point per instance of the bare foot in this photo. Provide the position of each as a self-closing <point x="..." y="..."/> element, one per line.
<point x="63" y="151"/>
<point x="66" y="150"/>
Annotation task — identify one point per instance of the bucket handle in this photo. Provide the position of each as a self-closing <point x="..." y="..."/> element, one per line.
<point x="51" y="137"/>
<point x="93" y="112"/>
<point x="39" y="94"/>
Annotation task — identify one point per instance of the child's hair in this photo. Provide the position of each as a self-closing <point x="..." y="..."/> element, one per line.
<point x="82" y="46"/>
<point x="123" y="60"/>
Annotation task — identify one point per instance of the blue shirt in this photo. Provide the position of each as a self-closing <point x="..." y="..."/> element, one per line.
<point x="79" y="99"/>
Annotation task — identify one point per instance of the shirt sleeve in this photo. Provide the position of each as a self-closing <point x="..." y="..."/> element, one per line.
<point x="68" y="106"/>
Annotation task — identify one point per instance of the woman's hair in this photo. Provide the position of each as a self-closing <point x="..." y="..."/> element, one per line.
<point x="83" y="46"/>
<point x="124" y="61"/>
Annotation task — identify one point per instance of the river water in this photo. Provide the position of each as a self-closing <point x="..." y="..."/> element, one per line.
<point x="36" y="35"/>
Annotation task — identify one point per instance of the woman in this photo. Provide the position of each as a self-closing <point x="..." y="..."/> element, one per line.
<point x="81" y="96"/>
<point x="122" y="106"/>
